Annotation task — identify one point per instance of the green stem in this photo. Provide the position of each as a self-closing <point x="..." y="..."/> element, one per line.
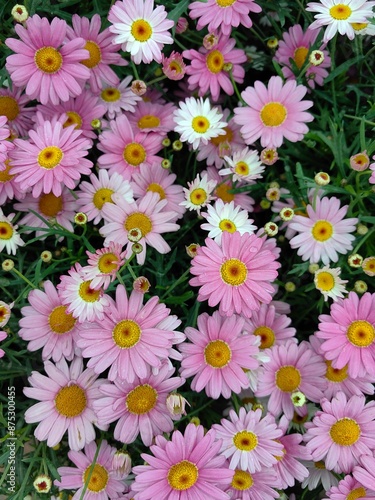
<point x="20" y="275"/>
<point x="135" y="71"/>
<point x="235" y="88"/>
<point x="127" y="265"/>
<point x="366" y="236"/>
<point x="176" y="283"/>
<point x="360" y="119"/>
<point x="155" y="80"/>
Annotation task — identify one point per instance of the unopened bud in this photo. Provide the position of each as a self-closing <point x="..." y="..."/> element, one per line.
<point x="138" y="87"/>
<point x="290" y="286"/>
<point x="7" y="264"/>
<point x="322" y="179"/>
<point x="177" y="145"/>
<point x="191" y="250"/>
<point x="316" y="57"/>
<point x="360" y="286"/>
<point x="134" y="235"/>
<point x="137" y="248"/>
<point x="141" y="284"/>
<point x="286" y="214"/>
<point x="176" y="405"/>
<point x="46" y="256"/>
<point x="19" y="13"/>
<point x="298" y="398"/>
<point x="355" y="260"/>
<point x="271" y="229"/>
<point x="166" y="142"/>
<point x="42" y="483"/>
<point x="122" y="464"/>
<point x="166" y="164"/>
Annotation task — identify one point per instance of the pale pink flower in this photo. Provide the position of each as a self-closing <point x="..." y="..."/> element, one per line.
<point x="152" y="117"/>
<point x="256" y="486"/>
<point x="5" y="144"/>
<point x="359" y="161"/>
<point x="103" y="265"/>
<point x="224" y="187"/>
<point x="13" y="105"/>
<point x="173" y="67"/>
<point x="9" y="188"/>
<point x="364" y="472"/>
<point x="350" y="488"/>
<point x="3" y="336"/>
<point x="118" y="98"/>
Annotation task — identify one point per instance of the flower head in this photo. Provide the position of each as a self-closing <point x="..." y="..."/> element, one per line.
<point x="9" y="237"/>
<point x="328" y="282"/>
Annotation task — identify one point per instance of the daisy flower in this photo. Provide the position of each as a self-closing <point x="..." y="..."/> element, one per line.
<point x="83" y="302"/>
<point x="104" y="482"/>
<point x="5" y="144"/>
<point x="140" y="29"/>
<point x="13" y="106"/>
<point x="46" y="323"/>
<point x="103" y="265"/>
<point x="197" y="122"/>
<point x="365" y="471"/>
<point x="9" y="238"/>
<point x="318" y="474"/>
<point x="66" y="397"/>
<point x="93" y="195"/>
<point x="218" y="355"/>
<point x="324" y="233"/>
<point x="328" y="282"/>
<point x="225" y="217"/>
<point x="138" y="406"/>
<point x="291" y="368"/>
<point x="198" y="194"/>
<point x="237" y="275"/>
<point x="224" y="187"/>
<point x="186" y="467"/>
<point x="51" y="159"/>
<point x="342" y="432"/>
<point x="102" y="51"/>
<point x="3" y="336"/>
<point x="274" y="113"/>
<point x="368" y="266"/>
<point x="119" y="98"/>
<point x="350" y="488"/>
<point x="288" y="466"/>
<point x="50" y="70"/>
<point x="153" y="117"/>
<point x="255" y="486"/>
<point x="249" y="440"/>
<point x="223" y="14"/>
<point x="338" y="17"/>
<point x="5" y="312"/>
<point x="127" y="339"/>
<point x="349" y="334"/>
<point x="9" y="188"/>
<point x="244" y="166"/>
<point x="146" y="215"/>
<point x="173" y="66"/>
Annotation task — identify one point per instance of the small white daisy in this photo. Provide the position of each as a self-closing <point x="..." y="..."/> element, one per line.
<point x="199" y="193"/>
<point x="328" y="282"/>
<point x="9" y="238"/>
<point x="226" y="217"/>
<point x="119" y="98"/>
<point x="197" y="122"/>
<point x="364" y="29"/>
<point x="245" y="166"/>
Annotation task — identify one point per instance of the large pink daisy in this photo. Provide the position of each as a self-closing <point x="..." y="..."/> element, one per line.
<point x="273" y="113"/>
<point x="50" y="70"/>
<point x="237" y="275"/>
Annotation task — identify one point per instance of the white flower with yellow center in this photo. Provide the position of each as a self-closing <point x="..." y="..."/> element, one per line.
<point x="329" y="283"/>
<point x="199" y="193"/>
<point x="245" y="166"/>
<point x="197" y="122"/>
<point x="9" y="238"/>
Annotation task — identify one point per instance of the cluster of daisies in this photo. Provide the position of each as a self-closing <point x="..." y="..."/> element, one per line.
<point x="82" y="146"/>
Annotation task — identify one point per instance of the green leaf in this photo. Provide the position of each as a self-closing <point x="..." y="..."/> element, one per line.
<point x="177" y="12"/>
<point x="343" y="68"/>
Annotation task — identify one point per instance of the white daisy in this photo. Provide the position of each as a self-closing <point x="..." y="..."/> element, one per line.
<point x="9" y="238"/>
<point x="140" y="29"/>
<point x="339" y="17"/>
<point x="197" y="122"/>
<point x="226" y="217"/>
<point x="245" y="166"/>
<point x="364" y="29"/>
<point x="328" y="282"/>
<point x="199" y="193"/>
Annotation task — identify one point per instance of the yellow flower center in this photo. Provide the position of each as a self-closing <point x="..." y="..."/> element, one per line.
<point x="359" y="27"/>
<point x="200" y="124"/>
<point x="50" y="157"/>
<point x="242" y="168"/>
<point x="4" y="174"/>
<point x="50" y="205"/>
<point x="273" y="114"/>
<point x="107" y="263"/>
<point x="6" y="230"/>
<point x="267" y="336"/>
<point x="60" y="321"/>
<point x="126" y="334"/>
<point x="322" y="230"/>
<point x="361" y="333"/>
<point x="140" y="221"/>
<point x="288" y="378"/>
<point x="48" y="59"/>
<point x="70" y="401"/>
<point x="141" y="400"/>
<point x="156" y="188"/>
<point x="9" y="107"/>
<point x="369" y="265"/>
<point x="335" y="374"/>
<point x="357" y="493"/>
<point x="148" y="121"/>
<point x="300" y="55"/>
<point x="134" y="154"/>
<point x="217" y="354"/>
<point x="73" y="119"/>
<point x="222" y="192"/>
<point x="215" y="61"/>
<point x="95" y="54"/>
<point x="182" y="475"/>
<point x="340" y="12"/>
<point x="198" y="196"/>
<point x="141" y="30"/>
<point x="233" y="272"/>
<point x="245" y="440"/>
<point x="174" y="66"/>
<point x="225" y="3"/>
<point x="325" y="281"/>
<point x="228" y="226"/>
<point x="242" y="480"/>
<point x="111" y="94"/>
<point x="98" y="479"/>
<point x="227" y="137"/>
<point x="102" y="195"/>
<point x="319" y="465"/>
<point x="3" y="313"/>
<point x="88" y="294"/>
<point x="345" y="432"/>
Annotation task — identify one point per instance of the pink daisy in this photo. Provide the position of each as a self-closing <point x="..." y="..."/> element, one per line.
<point x="224" y="189"/>
<point x="255" y="486"/>
<point x="350" y="488"/>
<point x="236" y="275"/>
<point x="324" y="233"/>
<point x="273" y="113"/>
<point x="348" y="335"/>
<point x="52" y="159"/>
<point x="173" y="66"/>
<point x="342" y="432"/>
<point x="9" y="188"/>
<point x="3" y="336"/>
<point x="223" y="14"/>
<point x="102" y="50"/>
<point x="145" y="216"/>
<point x="187" y="467"/>
<point x="206" y="70"/>
<point x="125" y="151"/>
<point x="139" y="406"/>
<point x="291" y="368"/>
<point x="365" y="471"/>
<point x="104" y="482"/>
<point x="13" y="106"/>
<point x="127" y="339"/>
<point x="153" y="117"/>
<point x="249" y="440"/>
<point x="50" y="70"/>
<point x="5" y="144"/>
<point x="46" y="323"/>
<point x="66" y="403"/>
<point x="103" y="265"/>
<point x="118" y="98"/>
<point x="218" y="355"/>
